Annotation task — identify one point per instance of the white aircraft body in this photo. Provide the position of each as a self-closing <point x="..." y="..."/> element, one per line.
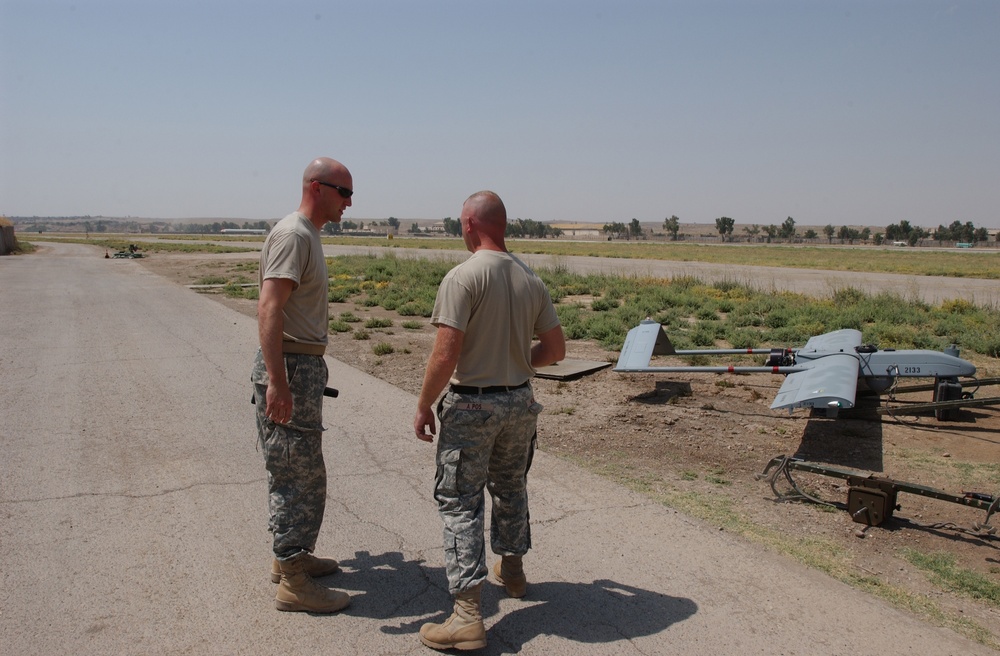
<point x="823" y="374"/>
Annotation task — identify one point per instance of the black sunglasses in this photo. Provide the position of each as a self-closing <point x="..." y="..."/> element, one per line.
<point x="343" y="191"/>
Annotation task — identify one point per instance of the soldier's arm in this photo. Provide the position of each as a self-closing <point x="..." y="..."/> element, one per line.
<point x="274" y="293"/>
<point x="441" y="364"/>
<point x="551" y="348"/>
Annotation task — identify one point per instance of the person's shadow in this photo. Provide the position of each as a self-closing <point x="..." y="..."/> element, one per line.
<point x="391" y="588"/>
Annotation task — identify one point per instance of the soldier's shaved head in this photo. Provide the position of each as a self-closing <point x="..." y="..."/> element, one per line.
<point x="489" y="212"/>
<point x="322" y="168"/>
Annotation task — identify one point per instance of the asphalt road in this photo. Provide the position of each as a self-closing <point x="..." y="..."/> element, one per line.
<point x="134" y="518"/>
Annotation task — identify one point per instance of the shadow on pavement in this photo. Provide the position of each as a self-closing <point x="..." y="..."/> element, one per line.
<point x="388" y="587"/>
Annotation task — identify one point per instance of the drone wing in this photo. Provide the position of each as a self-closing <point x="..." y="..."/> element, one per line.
<point x="838" y="341"/>
<point x="831" y="376"/>
<point x="641" y="344"/>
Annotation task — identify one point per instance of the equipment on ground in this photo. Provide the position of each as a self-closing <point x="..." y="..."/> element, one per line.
<point x="823" y="375"/>
<point x="871" y="499"/>
<point x="131" y="253"/>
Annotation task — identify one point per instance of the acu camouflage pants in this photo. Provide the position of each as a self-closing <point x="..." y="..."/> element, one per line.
<point x="293" y="454"/>
<point x="485" y="441"/>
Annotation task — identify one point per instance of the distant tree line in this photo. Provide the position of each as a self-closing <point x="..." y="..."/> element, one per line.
<point x="964" y="232"/>
<point x="215" y="227"/>
<point x="100" y="225"/>
<point x="618" y="230"/>
<point x="896" y="232"/>
<point x="521" y="228"/>
<point x="518" y="228"/>
<point x="902" y="232"/>
<point x="957" y="232"/>
<point x="351" y="226"/>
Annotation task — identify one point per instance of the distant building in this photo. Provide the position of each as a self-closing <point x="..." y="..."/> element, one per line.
<point x="579" y="230"/>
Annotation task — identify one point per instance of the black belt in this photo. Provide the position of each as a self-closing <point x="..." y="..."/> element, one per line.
<point x="494" y="389"/>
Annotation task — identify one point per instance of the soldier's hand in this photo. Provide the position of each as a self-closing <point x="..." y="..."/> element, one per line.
<point x="423" y="424"/>
<point x="279" y="404"/>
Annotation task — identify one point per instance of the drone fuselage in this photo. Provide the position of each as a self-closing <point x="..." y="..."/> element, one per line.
<point x="913" y="363"/>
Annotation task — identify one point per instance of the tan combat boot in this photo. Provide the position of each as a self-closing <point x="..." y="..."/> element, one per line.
<point x="313" y="566"/>
<point x="297" y="591"/>
<point x="463" y="630"/>
<point x="509" y="572"/>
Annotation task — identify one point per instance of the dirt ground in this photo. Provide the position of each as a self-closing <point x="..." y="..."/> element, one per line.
<point x="698" y="442"/>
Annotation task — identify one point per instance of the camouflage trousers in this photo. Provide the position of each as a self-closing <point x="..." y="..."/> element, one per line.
<point x="486" y="441"/>
<point x="293" y="454"/>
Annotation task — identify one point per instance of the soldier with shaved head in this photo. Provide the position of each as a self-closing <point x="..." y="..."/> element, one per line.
<point x="488" y="310"/>
<point x="289" y="376"/>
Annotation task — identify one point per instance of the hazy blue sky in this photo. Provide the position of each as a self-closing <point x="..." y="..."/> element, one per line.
<point x="835" y="112"/>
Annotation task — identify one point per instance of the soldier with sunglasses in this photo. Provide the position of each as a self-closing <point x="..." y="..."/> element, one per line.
<point x="289" y="376"/>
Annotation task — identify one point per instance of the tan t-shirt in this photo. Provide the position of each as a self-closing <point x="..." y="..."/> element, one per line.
<point x="293" y="250"/>
<point x="500" y="304"/>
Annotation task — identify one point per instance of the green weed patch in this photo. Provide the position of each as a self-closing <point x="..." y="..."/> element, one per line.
<point x="695" y="314"/>
<point x="943" y="572"/>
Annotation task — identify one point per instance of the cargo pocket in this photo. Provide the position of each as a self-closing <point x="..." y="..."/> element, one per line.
<point x="446" y="477"/>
